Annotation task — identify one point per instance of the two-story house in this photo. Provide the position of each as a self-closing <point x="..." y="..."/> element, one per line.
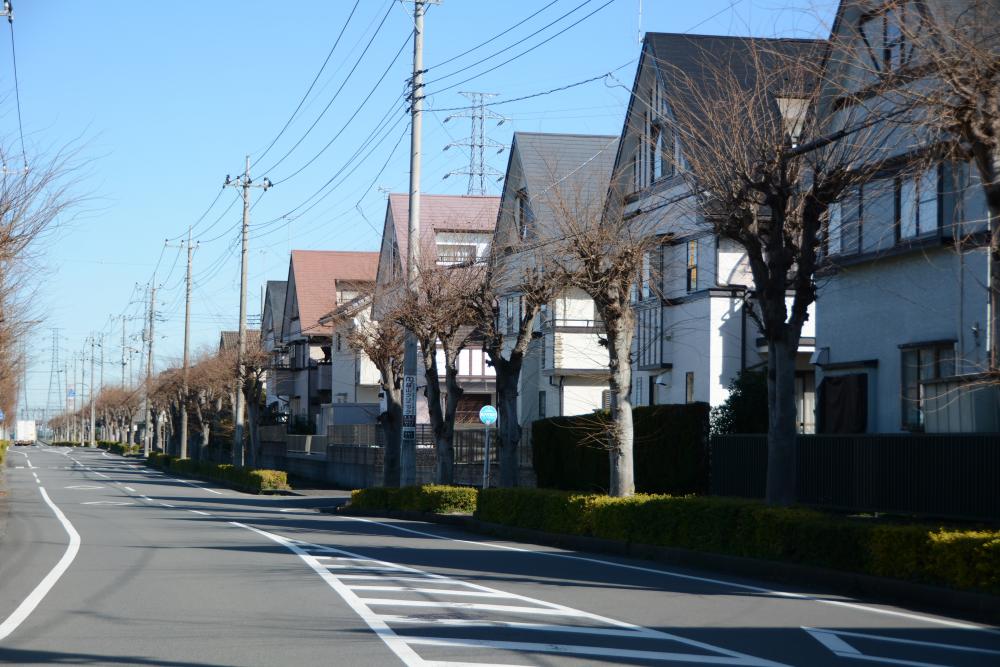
<point x="566" y="369"/>
<point x="453" y="229"/>
<point x="904" y="299"/>
<point x="694" y="335"/>
<point x="272" y="317"/>
<point x="318" y="281"/>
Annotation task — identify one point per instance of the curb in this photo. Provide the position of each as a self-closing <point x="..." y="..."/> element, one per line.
<point x="932" y="599"/>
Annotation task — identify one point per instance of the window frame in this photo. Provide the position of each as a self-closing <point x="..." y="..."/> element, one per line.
<point x="943" y="357"/>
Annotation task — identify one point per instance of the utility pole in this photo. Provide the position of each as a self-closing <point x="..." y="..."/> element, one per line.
<point x="408" y="446"/>
<point x="243" y="182"/>
<point x="187" y="358"/>
<point x="148" y="436"/>
<point x="93" y="420"/>
<point x="83" y="383"/>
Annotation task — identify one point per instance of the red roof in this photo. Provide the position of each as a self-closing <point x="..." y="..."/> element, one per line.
<point x="443" y="213"/>
<point x="316" y="274"/>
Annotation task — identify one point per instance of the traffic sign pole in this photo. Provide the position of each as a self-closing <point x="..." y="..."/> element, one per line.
<point x="488" y="416"/>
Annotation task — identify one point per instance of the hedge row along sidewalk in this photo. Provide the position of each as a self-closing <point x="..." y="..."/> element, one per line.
<point x="244" y="479"/>
<point x="961" y="559"/>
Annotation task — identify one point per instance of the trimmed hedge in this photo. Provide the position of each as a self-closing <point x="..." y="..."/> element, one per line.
<point x="965" y="559"/>
<point x="671" y="450"/>
<point x="118" y="448"/>
<point x="4" y="444"/>
<point x="428" y="498"/>
<point x="247" y="479"/>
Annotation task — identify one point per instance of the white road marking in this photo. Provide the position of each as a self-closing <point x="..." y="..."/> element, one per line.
<point x="84" y="487"/>
<point x="299" y="509"/>
<point x="18" y="466"/>
<point x="24" y="609"/>
<point x="197" y="486"/>
<point x="166" y="505"/>
<point x="402" y="645"/>
<point x="690" y="577"/>
<point x="107" y="502"/>
<point x="834" y="640"/>
<point x="129" y="489"/>
<point x="199" y="512"/>
<point x="432" y="591"/>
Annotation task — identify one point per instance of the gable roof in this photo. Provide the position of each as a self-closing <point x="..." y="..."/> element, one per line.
<point x="441" y="213"/>
<point x="581" y="163"/>
<point x="315" y="275"/>
<point x="229" y="340"/>
<point x="684" y="59"/>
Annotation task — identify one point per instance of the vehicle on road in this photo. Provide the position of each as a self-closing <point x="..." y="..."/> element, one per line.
<point x="24" y="432"/>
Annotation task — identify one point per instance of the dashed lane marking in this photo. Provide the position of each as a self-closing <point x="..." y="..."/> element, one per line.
<point x="199" y="512"/>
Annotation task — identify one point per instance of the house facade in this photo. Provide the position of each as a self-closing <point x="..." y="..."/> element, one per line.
<point x="694" y="333"/>
<point x="453" y="229"/>
<point x="278" y="379"/>
<point x="904" y="294"/>
<point x="565" y="371"/>
<point x="318" y="281"/>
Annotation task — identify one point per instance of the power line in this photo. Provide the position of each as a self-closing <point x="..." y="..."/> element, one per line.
<point x="337" y="93"/>
<point x="494" y="37"/>
<point x="8" y="11"/>
<point x="523" y="53"/>
<point x="311" y="85"/>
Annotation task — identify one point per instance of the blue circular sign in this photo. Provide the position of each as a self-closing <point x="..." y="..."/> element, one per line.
<point x="488" y="415"/>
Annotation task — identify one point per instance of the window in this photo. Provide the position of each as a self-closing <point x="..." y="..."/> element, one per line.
<point x="850" y="222"/>
<point x="656" y="156"/>
<point x="692" y="265"/>
<point x="885" y="37"/>
<point x="541" y="404"/>
<point x="833" y="229"/>
<point x="521" y="214"/>
<point x="917" y="204"/>
<point x="456" y="253"/>
<point x="920" y="363"/>
<point x="689" y="387"/>
<point x="510" y="314"/>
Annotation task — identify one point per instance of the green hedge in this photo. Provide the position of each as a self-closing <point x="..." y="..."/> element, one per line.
<point x="671" y="450"/>
<point x="966" y="559"/>
<point x="118" y="448"/>
<point x="4" y="444"/>
<point x="247" y="479"/>
<point x="67" y="443"/>
<point x="427" y="498"/>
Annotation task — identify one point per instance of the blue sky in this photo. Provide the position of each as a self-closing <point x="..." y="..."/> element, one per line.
<point x="165" y="99"/>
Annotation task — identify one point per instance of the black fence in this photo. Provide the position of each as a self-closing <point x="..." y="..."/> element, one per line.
<point x="940" y="475"/>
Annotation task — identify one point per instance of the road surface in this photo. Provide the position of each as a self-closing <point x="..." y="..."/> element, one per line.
<point x="106" y="562"/>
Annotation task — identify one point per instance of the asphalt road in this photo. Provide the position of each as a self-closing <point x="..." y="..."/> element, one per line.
<point x="108" y="563"/>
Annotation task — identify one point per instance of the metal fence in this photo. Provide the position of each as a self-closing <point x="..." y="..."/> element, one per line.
<point x="941" y="475"/>
<point x="469" y="444"/>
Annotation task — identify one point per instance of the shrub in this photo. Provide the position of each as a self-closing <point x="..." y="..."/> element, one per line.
<point x="118" y="448"/>
<point x="247" y="479"/>
<point x="671" y="450"/>
<point x="966" y="559"/>
<point x="4" y="444"/>
<point x="428" y="498"/>
<point x="745" y="409"/>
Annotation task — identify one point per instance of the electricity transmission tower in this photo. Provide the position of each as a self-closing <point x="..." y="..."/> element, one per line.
<point x="477" y="143"/>
<point x="55" y="403"/>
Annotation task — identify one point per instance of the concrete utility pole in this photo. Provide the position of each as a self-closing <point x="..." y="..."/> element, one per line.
<point x="408" y="446"/>
<point x="147" y="439"/>
<point x="187" y="337"/>
<point x="93" y="416"/>
<point x="244" y="183"/>
<point x="83" y="383"/>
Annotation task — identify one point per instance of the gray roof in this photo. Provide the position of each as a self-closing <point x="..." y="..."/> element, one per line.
<point x="575" y="163"/>
<point x="275" y="296"/>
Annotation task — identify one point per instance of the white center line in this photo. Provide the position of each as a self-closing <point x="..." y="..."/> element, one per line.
<point x="24" y="609"/>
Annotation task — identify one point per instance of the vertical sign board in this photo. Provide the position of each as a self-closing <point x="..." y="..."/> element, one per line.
<point x="488" y="416"/>
<point x="409" y="402"/>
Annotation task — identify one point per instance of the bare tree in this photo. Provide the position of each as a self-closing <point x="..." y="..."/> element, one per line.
<point x="506" y="351"/>
<point x="440" y="311"/>
<point x="601" y="251"/>
<point x="382" y="342"/>
<point x="763" y="167"/>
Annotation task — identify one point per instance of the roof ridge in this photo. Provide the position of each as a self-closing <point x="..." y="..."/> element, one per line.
<point x="735" y="37"/>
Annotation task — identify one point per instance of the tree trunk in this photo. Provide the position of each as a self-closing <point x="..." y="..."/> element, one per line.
<point x="391" y="423"/>
<point x="445" y="438"/>
<point x="619" y="332"/>
<point x="781" y="431"/>
<point x="432" y="392"/>
<point x="253" y="446"/>
<point x="508" y="426"/>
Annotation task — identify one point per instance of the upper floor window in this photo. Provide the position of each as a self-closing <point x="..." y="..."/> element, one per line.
<point x="461" y="247"/>
<point x="885" y="36"/>
<point x="692" y="265"/>
<point x="917" y="204"/>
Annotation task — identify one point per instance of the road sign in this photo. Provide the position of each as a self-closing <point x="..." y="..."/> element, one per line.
<point x="2" y="416"/>
<point x="488" y="415"/>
